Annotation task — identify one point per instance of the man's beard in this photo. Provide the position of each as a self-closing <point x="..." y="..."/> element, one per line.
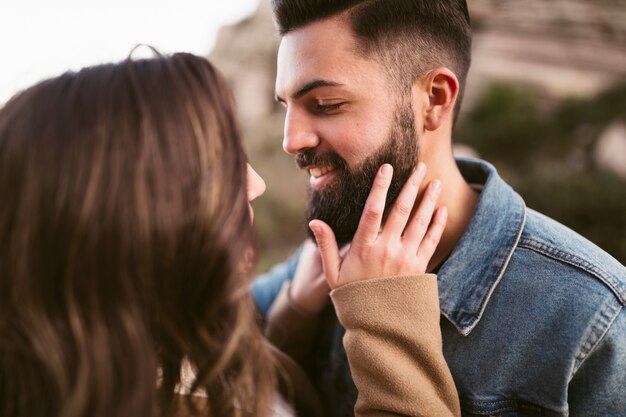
<point x="341" y="202"/>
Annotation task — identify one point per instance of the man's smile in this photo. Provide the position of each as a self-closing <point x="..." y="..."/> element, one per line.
<point x="320" y="175"/>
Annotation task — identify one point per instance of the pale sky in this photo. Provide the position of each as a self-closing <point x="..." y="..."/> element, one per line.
<point x="43" y="38"/>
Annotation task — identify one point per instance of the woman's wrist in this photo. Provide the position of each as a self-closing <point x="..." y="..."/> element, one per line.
<point x="308" y="301"/>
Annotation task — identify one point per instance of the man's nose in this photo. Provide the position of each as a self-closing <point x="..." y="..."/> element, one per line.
<point x="299" y="134"/>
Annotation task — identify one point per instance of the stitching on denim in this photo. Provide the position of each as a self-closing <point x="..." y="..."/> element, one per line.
<point x="507" y="259"/>
<point x="503" y="405"/>
<point x="578" y="262"/>
<point x="508" y="402"/>
<point x="597" y="333"/>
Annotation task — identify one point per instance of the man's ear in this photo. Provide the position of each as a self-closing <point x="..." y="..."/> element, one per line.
<point x="441" y="88"/>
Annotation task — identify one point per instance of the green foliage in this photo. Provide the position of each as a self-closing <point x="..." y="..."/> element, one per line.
<point x="504" y="124"/>
<point x="599" y="110"/>
<point x="548" y="157"/>
<point x="594" y="205"/>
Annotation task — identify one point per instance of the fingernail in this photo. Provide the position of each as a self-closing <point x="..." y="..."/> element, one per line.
<point x="421" y="168"/>
<point x="436" y="184"/>
<point x="386" y="170"/>
<point x="420" y="172"/>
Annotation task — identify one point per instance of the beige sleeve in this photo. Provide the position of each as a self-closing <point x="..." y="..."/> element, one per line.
<point x="394" y="346"/>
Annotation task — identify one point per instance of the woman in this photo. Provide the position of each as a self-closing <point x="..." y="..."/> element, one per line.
<point x="125" y="237"/>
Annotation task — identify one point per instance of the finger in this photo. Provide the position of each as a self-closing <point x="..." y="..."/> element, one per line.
<point x="432" y="238"/>
<point x="418" y="225"/>
<point x="329" y="250"/>
<point x="403" y="207"/>
<point x="372" y="216"/>
<point x="344" y="251"/>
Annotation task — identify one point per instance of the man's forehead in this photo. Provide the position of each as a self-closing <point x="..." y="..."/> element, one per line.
<point x="323" y="50"/>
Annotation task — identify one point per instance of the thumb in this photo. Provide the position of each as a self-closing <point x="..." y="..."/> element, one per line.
<point x="329" y="250"/>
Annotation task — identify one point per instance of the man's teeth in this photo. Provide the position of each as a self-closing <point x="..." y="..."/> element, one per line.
<point x="318" y="172"/>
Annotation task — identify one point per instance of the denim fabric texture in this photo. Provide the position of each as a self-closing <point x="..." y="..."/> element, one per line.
<point x="533" y="314"/>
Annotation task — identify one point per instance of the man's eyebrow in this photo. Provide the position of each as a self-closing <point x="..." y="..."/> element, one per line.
<point x="308" y="87"/>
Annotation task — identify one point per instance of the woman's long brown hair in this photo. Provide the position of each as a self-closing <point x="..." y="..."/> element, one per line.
<point x="123" y="228"/>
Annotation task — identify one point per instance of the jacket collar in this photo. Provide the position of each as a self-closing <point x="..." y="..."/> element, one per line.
<point x="474" y="268"/>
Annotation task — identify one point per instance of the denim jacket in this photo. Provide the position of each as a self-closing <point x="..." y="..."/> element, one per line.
<point x="534" y="315"/>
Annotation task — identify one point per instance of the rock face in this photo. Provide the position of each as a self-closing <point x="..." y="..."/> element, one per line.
<point x="246" y="54"/>
<point x="557" y="48"/>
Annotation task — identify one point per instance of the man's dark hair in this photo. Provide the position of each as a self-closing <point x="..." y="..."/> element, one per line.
<point x="408" y="37"/>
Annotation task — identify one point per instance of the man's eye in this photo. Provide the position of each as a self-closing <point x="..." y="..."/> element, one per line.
<point x="326" y="108"/>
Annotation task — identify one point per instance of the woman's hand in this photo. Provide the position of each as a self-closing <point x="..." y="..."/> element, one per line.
<point x="403" y="246"/>
<point x="309" y="289"/>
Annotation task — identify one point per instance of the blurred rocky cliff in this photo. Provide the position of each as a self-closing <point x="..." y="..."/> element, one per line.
<point x="551" y="51"/>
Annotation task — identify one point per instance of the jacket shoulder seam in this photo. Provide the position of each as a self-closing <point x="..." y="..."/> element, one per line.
<point x="576" y="261"/>
<point x="597" y="332"/>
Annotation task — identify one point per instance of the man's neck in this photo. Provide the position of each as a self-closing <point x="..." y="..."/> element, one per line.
<point x="460" y="199"/>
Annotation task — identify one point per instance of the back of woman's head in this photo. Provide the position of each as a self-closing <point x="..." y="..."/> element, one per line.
<point x="123" y="225"/>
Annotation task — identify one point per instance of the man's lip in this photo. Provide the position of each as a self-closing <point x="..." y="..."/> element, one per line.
<point x="319" y="170"/>
<point x="320" y="176"/>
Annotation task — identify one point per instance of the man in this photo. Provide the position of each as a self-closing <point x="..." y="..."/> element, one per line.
<point x="533" y="318"/>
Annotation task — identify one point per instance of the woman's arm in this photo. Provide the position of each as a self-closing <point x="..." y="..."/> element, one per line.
<point x="394" y="347"/>
<point x="393" y="340"/>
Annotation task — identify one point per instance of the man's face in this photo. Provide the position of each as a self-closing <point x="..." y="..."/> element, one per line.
<point x="343" y="121"/>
